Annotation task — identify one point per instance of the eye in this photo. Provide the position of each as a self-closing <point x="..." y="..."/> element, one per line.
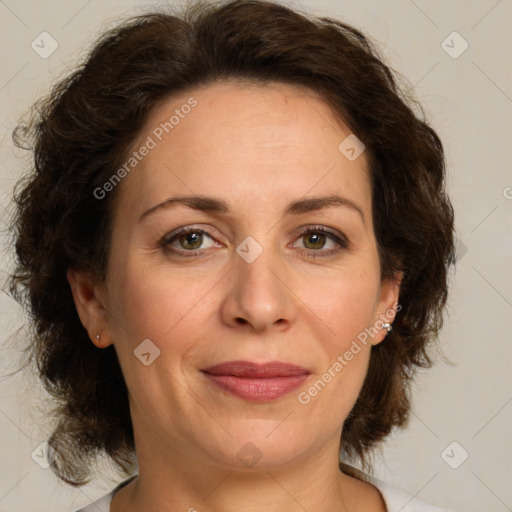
<point x="186" y="241"/>
<point x="315" y="238"/>
<point x="189" y="241"/>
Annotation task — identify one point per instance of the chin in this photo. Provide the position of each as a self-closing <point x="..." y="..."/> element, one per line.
<point x="262" y="446"/>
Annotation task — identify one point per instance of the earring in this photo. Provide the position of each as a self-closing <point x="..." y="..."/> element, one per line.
<point x="98" y="338"/>
<point x="387" y="326"/>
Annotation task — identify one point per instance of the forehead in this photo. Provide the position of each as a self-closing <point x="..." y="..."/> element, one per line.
<point x="270" y="114"/>
<point x="245" y="141"/>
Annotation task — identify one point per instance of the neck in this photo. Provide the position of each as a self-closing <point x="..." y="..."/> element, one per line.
<point x="169" y="481"/>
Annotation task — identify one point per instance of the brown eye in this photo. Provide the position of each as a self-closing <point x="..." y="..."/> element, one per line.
<point x="191" y="240"/>
<point x="314" y="240"/>
<point x="187" y="241"/>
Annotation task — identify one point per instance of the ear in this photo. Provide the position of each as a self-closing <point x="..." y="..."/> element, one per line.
<point x="387" y="306"/>
<point x="89" y="296"/>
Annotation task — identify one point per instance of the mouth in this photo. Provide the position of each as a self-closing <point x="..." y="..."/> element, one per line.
<point x="257" y="382"/>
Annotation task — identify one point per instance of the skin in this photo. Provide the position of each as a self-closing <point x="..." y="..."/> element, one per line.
<point x="258" y="148"/>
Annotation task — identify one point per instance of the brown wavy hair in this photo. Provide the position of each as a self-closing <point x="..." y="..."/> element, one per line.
<point x="82" y="131"/>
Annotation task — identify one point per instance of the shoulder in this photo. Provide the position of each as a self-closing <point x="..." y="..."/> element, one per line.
<point x="103" y="504"/>
<point x="395" y="499"/>
<point x="398" y="500"/>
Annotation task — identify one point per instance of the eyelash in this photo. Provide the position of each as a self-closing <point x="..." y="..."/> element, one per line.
<point x="341" y="241"/>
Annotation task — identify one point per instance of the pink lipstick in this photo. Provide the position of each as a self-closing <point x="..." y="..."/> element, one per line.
<point x="257" y="382"/>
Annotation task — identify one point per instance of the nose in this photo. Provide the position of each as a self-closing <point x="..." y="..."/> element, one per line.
<point x="259" y="295"/>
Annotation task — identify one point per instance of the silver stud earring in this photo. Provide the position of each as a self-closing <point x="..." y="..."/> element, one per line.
<point x="98" y="337"/>
<point x="387" y="326"/>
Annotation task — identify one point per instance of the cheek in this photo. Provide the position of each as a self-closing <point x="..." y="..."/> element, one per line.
<point x="346" y="303"/>
<point x="152" y="302"/>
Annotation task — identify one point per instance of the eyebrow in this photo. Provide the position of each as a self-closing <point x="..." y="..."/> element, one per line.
<point x="300" y="206"/>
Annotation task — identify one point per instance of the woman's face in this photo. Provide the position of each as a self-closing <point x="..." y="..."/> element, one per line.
<point x="246" y="284"/>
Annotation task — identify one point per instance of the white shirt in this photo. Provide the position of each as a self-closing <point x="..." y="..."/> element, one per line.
<point x="395" y="499"/>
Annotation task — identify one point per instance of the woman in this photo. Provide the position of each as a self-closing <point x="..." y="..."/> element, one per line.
<point x="234" y="247"/>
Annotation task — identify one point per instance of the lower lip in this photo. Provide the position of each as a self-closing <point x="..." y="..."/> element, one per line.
<point x="258" y="390"/>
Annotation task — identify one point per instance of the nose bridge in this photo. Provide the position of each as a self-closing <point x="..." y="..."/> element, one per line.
<point x="258" y="295"/>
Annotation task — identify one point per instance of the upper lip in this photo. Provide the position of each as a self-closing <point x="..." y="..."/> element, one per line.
<point x="250" y="369"/>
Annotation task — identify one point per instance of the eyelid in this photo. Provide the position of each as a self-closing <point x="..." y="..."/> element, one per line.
<point x="184" y="230"/>
<point x="312" y="228"/>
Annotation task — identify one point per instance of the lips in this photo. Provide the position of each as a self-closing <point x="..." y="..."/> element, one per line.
<point x="254" y="370"/>
<point x="256" y="382"/>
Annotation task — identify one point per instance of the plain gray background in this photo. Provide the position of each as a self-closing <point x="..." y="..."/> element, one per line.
<point x="469" y="101"/>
